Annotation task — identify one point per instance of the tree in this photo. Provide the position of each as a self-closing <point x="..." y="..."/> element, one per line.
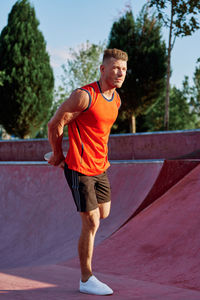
<point x="182" y="20"/>
<point x="144" y="82"/>
<point x="27" y="93"/>
<point x="83" y="65"/>
<point x="81" y="68"/>
<point x="2" y="74"/>
<point x="182" y="117"/>
<point x="195" y="91"/>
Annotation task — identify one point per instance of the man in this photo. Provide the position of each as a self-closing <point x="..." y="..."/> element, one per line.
<point x="89" y="113"/>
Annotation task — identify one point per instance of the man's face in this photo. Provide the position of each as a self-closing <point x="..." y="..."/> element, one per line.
<point x="113" y="72"/>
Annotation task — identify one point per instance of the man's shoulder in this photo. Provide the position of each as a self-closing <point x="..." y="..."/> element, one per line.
<point x="92" y="85"/>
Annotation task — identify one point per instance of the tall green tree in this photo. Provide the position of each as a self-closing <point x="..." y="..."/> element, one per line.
<point x="27" y="93"/>
<point x="141" y="39"/>
<point x="181" y="115"/>
<point x="181" y="17"/>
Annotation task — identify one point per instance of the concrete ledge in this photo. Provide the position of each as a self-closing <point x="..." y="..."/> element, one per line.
<point x="139" y="146"/>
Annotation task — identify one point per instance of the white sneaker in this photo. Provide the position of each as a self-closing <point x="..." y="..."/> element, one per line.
<point x="95" y="287"/>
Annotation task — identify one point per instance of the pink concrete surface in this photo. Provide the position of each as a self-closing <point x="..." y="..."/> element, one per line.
<point x="165" y="145"/>
<point x="162" y="243"/>
<point x="54" y="282"/>
<point x="171" y="172"/>
<point x="151" y="256"/>
<point x="155" y="145"/>
<point x="38" y="219"/>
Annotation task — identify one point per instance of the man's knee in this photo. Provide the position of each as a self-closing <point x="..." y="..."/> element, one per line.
<point x="104" y="210"/>
<point x="91" y="220"/>
<point x="104" y="214"/>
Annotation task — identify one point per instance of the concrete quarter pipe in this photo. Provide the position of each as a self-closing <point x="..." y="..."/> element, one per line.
<point x="153" y="254"/>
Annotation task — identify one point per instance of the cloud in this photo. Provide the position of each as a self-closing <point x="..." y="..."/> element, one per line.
<point x="58" y="56"/>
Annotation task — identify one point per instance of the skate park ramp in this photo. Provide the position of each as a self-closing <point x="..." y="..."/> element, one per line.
<point x="164" y="244"/>
<point x="39" y="221"/>
<point x="148" y="248"/>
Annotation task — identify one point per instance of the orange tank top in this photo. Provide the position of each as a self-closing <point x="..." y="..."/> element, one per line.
<point x="89" y="132"/>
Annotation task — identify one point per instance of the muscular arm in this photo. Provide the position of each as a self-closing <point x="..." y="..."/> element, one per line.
<point x="68" y="111"/>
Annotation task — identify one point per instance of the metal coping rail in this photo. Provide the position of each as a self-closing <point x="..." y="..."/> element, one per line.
<point x="132" y="161"/>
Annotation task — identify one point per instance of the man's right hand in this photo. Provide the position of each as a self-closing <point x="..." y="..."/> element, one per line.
<point x="57" y="160"/>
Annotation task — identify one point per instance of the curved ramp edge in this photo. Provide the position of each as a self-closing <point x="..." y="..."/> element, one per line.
<point x="161" y="244"/>
<point x="39" y="223"/>
<point x="171" y="173"/>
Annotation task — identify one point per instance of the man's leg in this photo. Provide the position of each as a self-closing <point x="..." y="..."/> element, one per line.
<point x="104" y="209"/>
<point x="93" y="204"/>
<point x="90" y="225"/>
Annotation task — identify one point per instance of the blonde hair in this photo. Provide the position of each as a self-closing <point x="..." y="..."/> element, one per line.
<point x="115" y="53"/>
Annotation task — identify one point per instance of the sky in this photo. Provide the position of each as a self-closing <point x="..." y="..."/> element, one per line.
<point x="69" y="23"/>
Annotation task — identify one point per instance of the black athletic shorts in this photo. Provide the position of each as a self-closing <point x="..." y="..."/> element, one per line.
<point x="88" y="191"/>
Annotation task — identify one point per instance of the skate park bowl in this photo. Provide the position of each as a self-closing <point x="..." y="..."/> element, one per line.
<point x="148" y="248"/>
